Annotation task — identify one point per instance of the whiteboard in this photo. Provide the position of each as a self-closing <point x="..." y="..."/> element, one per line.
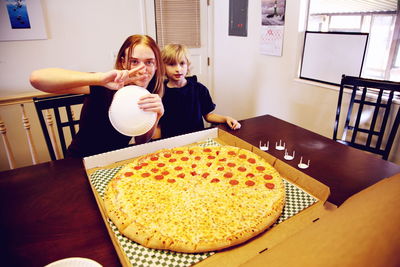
<point x="328" y="55"/>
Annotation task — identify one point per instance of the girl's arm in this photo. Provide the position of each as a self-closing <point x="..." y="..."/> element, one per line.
<point x="56" y="80"/>
<point x="216" y="118"/>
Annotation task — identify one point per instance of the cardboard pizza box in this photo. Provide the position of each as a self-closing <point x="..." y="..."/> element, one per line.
<point x="363" y="231"/>
<point x="242" y="253"/>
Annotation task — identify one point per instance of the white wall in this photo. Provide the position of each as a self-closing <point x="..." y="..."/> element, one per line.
<point x="82" y="35"/>
<point x="248" y="84"/>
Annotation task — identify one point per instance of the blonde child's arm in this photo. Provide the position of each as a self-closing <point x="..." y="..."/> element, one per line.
<point x="216" y="118"/>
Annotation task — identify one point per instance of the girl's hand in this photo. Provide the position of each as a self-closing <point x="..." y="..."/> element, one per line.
<point x="152" y="102"/>
<point x="234" y="124"/>
<point x="116" y="79"/>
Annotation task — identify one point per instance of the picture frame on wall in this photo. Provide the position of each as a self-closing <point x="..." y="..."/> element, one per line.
<point x="21" y="20"/>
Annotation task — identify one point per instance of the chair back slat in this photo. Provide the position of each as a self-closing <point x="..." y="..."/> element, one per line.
<point x="374" y="118"/>
<point x="356" y="126"/>
<point x="385" y="119"/>
<point x="57" y="103"/>
<point x="368" y="115"/>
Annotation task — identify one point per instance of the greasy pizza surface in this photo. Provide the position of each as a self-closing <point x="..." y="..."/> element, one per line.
<point x="195" y="199"/>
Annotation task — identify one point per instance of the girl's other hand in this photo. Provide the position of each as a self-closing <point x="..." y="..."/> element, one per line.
<point x="152" y="102"/>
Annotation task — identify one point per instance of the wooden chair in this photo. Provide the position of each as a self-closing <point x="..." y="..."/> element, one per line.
<point x="372" y="122"/>
<point x="57" y="103"/>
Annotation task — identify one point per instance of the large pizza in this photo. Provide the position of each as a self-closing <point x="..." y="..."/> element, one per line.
<point x="195" y="199"/>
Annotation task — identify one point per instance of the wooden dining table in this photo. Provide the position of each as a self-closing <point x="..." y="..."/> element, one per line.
<point x="48" y="211"/>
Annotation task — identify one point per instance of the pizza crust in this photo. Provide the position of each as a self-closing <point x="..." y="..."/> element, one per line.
<point x="202" y="209"/>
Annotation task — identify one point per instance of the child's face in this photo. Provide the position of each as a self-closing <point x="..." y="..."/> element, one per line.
<point x="177" y="71"/>
<point x="142" y="55"/>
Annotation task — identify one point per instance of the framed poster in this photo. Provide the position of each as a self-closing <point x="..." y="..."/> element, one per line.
<point x="21" y="20"/>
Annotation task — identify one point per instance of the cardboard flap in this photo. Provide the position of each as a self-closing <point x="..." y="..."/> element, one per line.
<point x="363" y="231"/>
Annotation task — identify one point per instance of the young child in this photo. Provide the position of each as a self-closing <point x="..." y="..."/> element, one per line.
<point x="138" y="62"/>
<point x="186" y="101"/>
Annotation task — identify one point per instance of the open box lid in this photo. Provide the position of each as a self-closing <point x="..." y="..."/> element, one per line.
<point x="363" y="231"/>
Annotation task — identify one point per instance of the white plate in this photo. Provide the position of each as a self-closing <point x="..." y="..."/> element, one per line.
<point x="126" y="116"/>
<point x="74" y="262"/>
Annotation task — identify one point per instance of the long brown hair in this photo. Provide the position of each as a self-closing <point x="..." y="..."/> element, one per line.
<point x="157" y="81"/>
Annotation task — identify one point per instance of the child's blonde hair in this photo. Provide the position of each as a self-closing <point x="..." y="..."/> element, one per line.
<point x="174" y="53"/>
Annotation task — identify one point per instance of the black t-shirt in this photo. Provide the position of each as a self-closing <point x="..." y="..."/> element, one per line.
<point x="184" y="108"/>
<point x="96" y="134"/>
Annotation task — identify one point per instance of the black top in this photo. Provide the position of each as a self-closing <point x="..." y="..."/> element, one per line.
<point x="184" y="108"/>
<point x="96" y="134"/>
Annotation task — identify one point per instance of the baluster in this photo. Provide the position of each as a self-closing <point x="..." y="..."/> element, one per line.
<point x="54" y="143"/>
<point x="27" y="127"/>
<point x="10" y="155"/>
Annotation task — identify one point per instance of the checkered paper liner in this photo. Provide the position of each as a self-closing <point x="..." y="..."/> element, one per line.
<point x="138" y="255"/>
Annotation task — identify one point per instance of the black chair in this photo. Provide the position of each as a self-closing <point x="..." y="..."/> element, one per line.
<point x="371" y="117"/>
<point x="57" y="103"/>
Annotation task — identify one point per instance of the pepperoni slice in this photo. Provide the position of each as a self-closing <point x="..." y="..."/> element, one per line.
<point x="267" y="177"/>
<point x="250" y="175"/>
<point x="184" y="158"/>
<point x="179" y="152"/>
<point x="171" y="180"/>
<point x="233" y="182"/>
<point x="211" y="157"/>
<point x="232" y="153"/>
<point x="154" y="170"/>
<point x="127" y="174"/>
<point x="231" y="164"/>
<point x="228" y="175"/>
<point x="269" y="185"/>
<point x="191" y="151"/>
<point x="194" y="166"/>
<point x="242" y="169"/>
<point x="242" y="156"/>
<point x="260" y="168"/>
<point x="159" y="177"/>
<point x="145" y="174"/>
<point x="193" y="173"/>
<point x="207" y="150"/>
<point x="165" y="173"/>
<point x="209" y="164"/>
<point x="167" y="155"/>
<point x="154" y="158"/>
<point x="251" y="160"/>
<point x="178" y="168"/>
<point x="160" y="165"/>
<point x="204" y="175"/>
<point x="220" y="168"/>
<point x="215" y="180"/>
<point x="250" y="183"/>
<point x="181" y="175"/>
<point x="172" y="160"/>
<point x="197" y="158"/>
<point x="224" y="159"/>
<point x="137" y="167"/>
<point x="144" y="164"/>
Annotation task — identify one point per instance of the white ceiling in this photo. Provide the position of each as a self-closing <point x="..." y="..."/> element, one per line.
<point x="349" y="6"/>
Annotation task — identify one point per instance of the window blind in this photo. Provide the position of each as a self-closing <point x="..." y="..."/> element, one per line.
<point x="178" y="21"/>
